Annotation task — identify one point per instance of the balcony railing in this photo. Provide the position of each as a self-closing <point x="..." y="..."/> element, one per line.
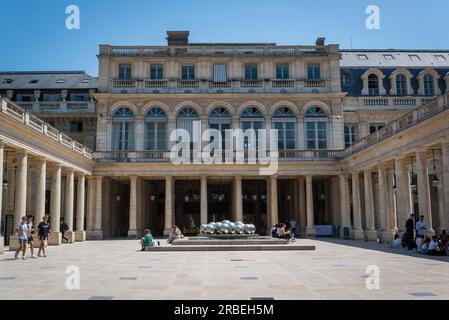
<point x="14" y="111"/>
<point x="57" y="106"/>
<point x="283" y="83"/>
<point x="251" y="83"/>
<point x="314" y="83"/>
<point x="408" y="120"/>
<point x="188" y="84"/>
<point x="155" y="84"/>
<point x="385" y="103"/>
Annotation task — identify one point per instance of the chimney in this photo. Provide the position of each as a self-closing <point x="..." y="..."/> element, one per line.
<point x="320" y="41"/>
<point x="178" y="38"/>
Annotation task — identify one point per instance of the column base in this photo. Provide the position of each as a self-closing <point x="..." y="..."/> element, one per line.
<point x="388" y="236"/>
<point x="371" y="235"/>
<point x="94" y="235"/>
<point x="13" y="243"/>
<point x="311" y="232"/>
<point x="167" y="233"/>
<point x="69" y="235"/>
<point x="80" y="236"/>
<point x="359" y="234"/>
<point x="56" y="240"/>
<point x="346" y="237"/>
<point x="132" y="234"/>
<point x="2" y="245"/>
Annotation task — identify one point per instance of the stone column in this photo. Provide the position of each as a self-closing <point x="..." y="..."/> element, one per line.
<point x="359" y="234"/>
<point x="402" y="193"/>
<point x="90" y="208"/>
<point x="2" y="147"/>
<point x="392" y="201"/>
<point x="302" y="206"/>
<point x="11" y="187"/>
<point x="69" y="203"/>
<point x="98" y="208"/>
<point x="444" y="224"/>
<point x="168" y="204"/>
<point x="80" y="234"/>
<point x="425" y="207"/>
<point x="238" y="198"/>
<point x="132" y="232"/>
<point x="274" y="200"/>
<point x="384" y="210"/>
<point x="41" y="179"/>
<point x="370" y="231"/>
<point x="310" y="229"/>
<point x="204" y="200"/>
<point x="55" y="205"/>
<point x="21" y="186"/>
<point x="345" y="204"/>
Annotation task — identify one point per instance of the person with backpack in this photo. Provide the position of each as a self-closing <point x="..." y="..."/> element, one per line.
<point x="63" y="229"/>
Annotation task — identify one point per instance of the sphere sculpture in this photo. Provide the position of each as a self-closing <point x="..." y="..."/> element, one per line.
<point x="227" y="227"/>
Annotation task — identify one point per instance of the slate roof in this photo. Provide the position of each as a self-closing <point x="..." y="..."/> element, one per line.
<point x="47" y="80"/>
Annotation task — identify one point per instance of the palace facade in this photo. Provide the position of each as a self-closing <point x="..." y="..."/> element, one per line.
<point x="362" y="137"/>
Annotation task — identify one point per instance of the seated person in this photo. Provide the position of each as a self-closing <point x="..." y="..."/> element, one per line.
<point x="283" y="233"/>
<point x="404" y="240"/>
<point x="397" y="242"/>
<point x="425" y="246"/>
<point x="175" y="234"/>
<point x="147" y="240"/>
<point x="273" y="231"/>
<point x="419" y="241"/>
<point x="435" y="249"/>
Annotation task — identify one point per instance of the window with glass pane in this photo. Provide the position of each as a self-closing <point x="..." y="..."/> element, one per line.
<point x="316" y="128"/>
<point x="401" y="86"/>
<point x="313" y="71"/>
<point x="155" y="136"/>
<point x="254" y="125"/>
<point x="251" y="71"/>
<point x="286" y="135"/>
<point x="282" y="71"/>
<point x="373" y="85"/>
<point x="345" y="79"/>
<point x="76" y="126"/>
<point x="79" y="97"/>
<point x="220" y="73"/>
<point x="124" y="72"/>
<point x="373" y="127"/>
<point x="156" y="72"/>
<point x="350" y="134"/>
<point x="123" y="130"/>
<point x="220" y="119"/>
<point x="52" y="97"/>
<point x="188" y="72"/>
<point x="429" y="88"/>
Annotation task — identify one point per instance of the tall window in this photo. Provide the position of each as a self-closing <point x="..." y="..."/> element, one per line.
<point x="188" y="72"/>
<point x="373" y="127"/>
<point x="52" y="97"/>
<point x="351" y="134"/>
<point x="401" y="85"/>
<point x="251" y="118"/>
<point x="185" y="120"/>
<point x="220" y="72"/>
<point x="316" y="128"/>
<point x="373" y="85"/>
<point x="282" y="71"/>
<point x="251" y="71"/>
<point x="123" y="130"/>
<point x="429" y="86"/>
<point x="156" y="72"/>
<point x="284" y="121"/>
<point x="155" y="130"/>
<point x="313" y="71"/>
<point x="124" y="72"/>
<point x="220" y="119"/>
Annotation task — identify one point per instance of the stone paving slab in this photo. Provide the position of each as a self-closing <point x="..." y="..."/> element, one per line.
<point x="337" y="269"/>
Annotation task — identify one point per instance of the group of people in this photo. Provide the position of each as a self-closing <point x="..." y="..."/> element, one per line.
<point x="285" y="230"/>
<point x="416" y="238"/>
<point x="26" y="231"/>
<point x="148" y="241"/>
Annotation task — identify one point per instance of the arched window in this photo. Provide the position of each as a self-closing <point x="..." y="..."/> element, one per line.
<point x="185" y="120"/>
<point x="373" y="85"/>
<point x="251" y="118"/>
<point x="316" y="126"/>
<point x="123" y="130"/>
<point x="220" y="119"/>
<point x="401" y="85"/>
<point x="429" y="86"/>
<point x="155" y="130"/>
<point x="284" y="121"/>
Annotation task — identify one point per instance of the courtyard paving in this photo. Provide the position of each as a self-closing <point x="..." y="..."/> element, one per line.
<point x="117" y="270"/>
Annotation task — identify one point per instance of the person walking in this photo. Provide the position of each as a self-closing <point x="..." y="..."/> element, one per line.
<point x="409" y="231"/>
<point x="63" y="228"/>
<point x="24" y="233"/>
<point x="30" y="224"/>
<point x="43" y="230"/>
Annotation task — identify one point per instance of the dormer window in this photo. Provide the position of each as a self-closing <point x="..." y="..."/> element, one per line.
<point x="388" y="57"/>
<point x="8" y="81"/>
<point x="85" y="81"/>
<point x="414" y="57"/>
<point x="362" y="57"/>
<point x="440" y="57"/>
<point x="33" y="81"/>
<point x="60" y="81"/>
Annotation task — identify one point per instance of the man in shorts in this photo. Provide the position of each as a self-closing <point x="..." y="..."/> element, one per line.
<point x="30" y="224"/>
<point x="43" y="230"/>
<point x="24" y="233"/>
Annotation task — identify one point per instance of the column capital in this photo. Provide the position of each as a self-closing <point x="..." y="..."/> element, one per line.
<point x="80" y="174"/>
<point x="2" y="144"/>
<point x="22" y="153"/>
<point x="99" y="178"/>
<point x="133" y="178"/>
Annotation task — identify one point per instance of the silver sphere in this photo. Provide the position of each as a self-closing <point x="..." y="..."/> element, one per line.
<point x="252" y="229"/>
<point x="210" y="229"/>
<point x="218" y="227"/>
<point x="231" y="227"/>
<point x="239" y="222"/>
<point x="238" y="229"/>
<point x="224" y="228"/>
<point x="226" y="221"/>
<point x="246" y="229"/>
<point x="203" y="228"/>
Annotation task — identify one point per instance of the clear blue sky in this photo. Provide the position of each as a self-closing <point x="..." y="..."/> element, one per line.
<point x="34" y="36"/>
